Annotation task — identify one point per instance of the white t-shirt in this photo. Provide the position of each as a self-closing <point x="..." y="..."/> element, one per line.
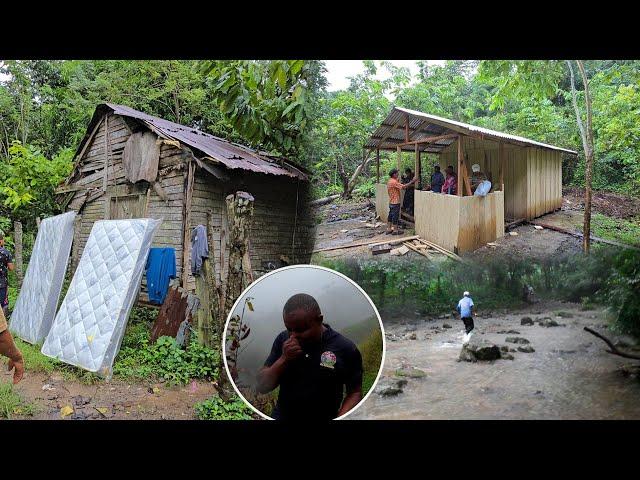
<point x="464" y="306"/>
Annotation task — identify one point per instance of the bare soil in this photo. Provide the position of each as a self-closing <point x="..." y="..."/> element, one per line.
<point x="349" y="222"/>
<point x="568" y="376"/>
<point x="606" y="203"/>
<point x="108" y="400"/>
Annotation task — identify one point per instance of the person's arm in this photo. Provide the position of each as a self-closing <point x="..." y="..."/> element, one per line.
<point x="351" y="400"/>
<point x="268" y="377"/>
<point x="11" y="266"/>
<point x="8" y="349"/>
<point x="410" y="184"/>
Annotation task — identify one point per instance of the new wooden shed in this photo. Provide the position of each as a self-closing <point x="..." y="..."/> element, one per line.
<point x="134" y="165"/>
<point x="526" y="177"/>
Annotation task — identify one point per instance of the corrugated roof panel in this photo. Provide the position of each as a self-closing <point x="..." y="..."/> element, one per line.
<point x="231" y="155"/>
<point x="398" y="115"/>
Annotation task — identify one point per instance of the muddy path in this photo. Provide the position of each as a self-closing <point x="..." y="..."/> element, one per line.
<point x="116" y="399"/>
<point x="569" y="376"/>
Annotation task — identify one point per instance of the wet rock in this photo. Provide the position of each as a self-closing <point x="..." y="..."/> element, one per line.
<point x="80" y="400"/>
<point x="479" y="349"/>
<point x="526" y="349"/>
<point x="508" y="332"/>
<point x="506" y="356"/>
<point x="549" y="323"/>
<point x="389" y="387"/>
<point x="504" y="348"/>
<point x="513" y="350"/>
<point x="520" y="340"/>
<point x="413" y="336"/>
<point x="410" y="372"/>
<point x="564" y="352"/>
<point x="526" y="321"/>
<point x="630" y="370"/>
<point x="446" y="325"/>
<point x="564" y="314"/>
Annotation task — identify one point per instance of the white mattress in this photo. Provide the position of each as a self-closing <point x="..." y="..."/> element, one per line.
<point x="38" y="298"/>
<point x="88" y="329"/>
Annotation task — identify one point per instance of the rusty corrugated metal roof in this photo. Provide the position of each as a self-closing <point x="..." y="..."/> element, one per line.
<point x="421" y="125"/>
<point x="231" y="155"/>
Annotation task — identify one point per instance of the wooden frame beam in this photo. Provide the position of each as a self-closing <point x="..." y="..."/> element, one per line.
<point x="406" y="129"/>
<point x="377" y="165"/>
<point x="460" y="172"/>
<point x="501" y="160"/>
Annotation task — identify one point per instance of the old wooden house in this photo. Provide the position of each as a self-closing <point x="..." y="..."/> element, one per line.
<point x="526" y="177"/>
<point x="134" y="165"/>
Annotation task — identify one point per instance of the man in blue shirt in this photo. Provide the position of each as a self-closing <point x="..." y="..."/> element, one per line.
<point x="437" y="180"/>
<point x="465" y="308"/>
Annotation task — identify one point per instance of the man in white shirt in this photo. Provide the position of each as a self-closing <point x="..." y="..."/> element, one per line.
<point x="465" y="307"/>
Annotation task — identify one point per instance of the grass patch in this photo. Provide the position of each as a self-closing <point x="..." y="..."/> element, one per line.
<point x="215" y="408"/>
<point x="137" y="359"/>
<point x="371" y="351"/>
<point x="625" y="231"/>
<point x="11" y="403"/>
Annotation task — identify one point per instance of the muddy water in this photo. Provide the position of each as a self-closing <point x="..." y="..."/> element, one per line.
<point x="569" y="376"/>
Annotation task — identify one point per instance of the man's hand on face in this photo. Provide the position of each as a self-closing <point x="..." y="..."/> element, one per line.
<point x="19" y="369"/>
<point x="291" y="349"/>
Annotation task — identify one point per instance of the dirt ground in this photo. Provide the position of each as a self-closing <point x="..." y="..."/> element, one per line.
<point x="610" y="204"/>
<point x="568" y="376"/>
<point x="345" y="223"/>
<point x="108" y="400"/>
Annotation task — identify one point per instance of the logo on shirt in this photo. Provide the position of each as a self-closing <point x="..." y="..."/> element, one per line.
<point x="328" y="359"/>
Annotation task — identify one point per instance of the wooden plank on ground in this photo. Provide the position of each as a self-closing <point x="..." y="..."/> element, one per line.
<point x="372" y="243"/>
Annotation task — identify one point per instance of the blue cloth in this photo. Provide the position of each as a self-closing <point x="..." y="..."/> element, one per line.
<point x="161" y="268"/>
<point x="464" y="307"/>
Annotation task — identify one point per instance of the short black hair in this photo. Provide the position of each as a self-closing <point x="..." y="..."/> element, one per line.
<point x="407" y="170"/>
<point x="393" y="172"/>
<point x="450" y="166"/>
<point x="301" y="301"/>
<point x="437" y="167"/>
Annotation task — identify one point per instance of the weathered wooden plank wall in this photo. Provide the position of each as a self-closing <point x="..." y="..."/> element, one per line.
<point x="275" y="205"/>
<point x="532" y="176"/>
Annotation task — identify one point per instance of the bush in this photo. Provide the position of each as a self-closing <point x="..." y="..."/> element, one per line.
<point x="215" y="408"/>
<point x="164" y="359"/>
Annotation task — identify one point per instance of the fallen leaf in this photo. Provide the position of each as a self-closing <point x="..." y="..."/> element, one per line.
<point x="156" y="389"/>
<point x="66" y="411"/>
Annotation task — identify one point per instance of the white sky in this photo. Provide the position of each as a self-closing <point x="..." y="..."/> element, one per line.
<point x="339" y="71"/>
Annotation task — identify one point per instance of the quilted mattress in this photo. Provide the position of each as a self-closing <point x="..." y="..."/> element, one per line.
<point x="88" y="329"/>
<point x="38" y="298"/>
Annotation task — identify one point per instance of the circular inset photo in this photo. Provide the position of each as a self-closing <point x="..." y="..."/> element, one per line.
<point x="304" y="343"/>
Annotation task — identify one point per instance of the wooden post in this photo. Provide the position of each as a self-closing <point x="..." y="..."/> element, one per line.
<point x="377" y="165"/>
<point x="17" y="240"/>
<point x="186" y="222"/>
<point x="416" y="170"/>
<point x="501" y="160"/>
<point x="240" y="211"/>
<point x="208" y="322"/>
<point x="399" y="158"/>
<point x="460" y="159"/>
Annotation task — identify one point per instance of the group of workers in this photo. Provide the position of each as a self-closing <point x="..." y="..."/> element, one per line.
<point x="446" y="184"/>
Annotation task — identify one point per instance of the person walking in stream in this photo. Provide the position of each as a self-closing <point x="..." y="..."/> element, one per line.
<point x="465" y="308"/>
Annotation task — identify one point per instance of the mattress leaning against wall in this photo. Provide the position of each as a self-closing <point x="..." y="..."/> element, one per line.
<point x="88" y="329"/>
<point x="36" y="305"/>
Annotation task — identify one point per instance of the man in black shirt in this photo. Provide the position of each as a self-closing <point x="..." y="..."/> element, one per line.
<point x="6" y="264"/>
<point x="318" y="370"/>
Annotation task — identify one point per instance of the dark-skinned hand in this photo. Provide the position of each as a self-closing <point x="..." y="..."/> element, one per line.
<point x="19" y="369"/>
<point x="291" y="349"/>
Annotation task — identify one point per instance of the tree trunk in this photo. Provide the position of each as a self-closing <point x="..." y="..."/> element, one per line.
<point x="344" y="178"/>
<point x="240" y="213"/>
<point x="17" y="239"/>
<point x="586" y="134"/>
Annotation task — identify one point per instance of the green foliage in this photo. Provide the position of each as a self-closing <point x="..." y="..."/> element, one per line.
<point x="625" y="231"/>
<point x="267" y="102"/>
<point x="28" y="179"/>
<point x="215" y="408"/>
<point x="11" y="403"/>
<point x="371" y="351"/>
<point x="138" y="359"/>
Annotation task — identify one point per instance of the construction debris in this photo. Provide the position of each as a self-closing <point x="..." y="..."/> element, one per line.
<point x="400" y="250"/>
